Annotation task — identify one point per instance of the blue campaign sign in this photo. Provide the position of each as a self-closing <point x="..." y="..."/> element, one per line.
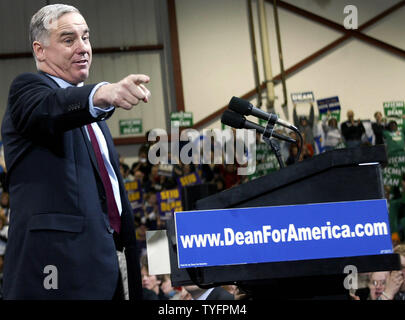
<point x="284" y="233"/>
<point x="328" y="104"/>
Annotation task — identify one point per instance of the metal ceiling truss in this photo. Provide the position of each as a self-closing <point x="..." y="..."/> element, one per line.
<point x="347" y="35"/>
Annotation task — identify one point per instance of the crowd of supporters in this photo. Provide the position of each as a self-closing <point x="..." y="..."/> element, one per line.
<point x="146" y="181"/>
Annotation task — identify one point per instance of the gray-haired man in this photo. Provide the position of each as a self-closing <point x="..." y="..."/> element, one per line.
<point x="70" y="212"/>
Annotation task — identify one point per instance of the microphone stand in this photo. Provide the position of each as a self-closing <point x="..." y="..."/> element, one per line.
<point x="274" y="146"/>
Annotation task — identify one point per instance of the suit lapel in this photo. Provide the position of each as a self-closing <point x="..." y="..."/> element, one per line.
<point x="110" y="145"/>
<point x="86" y="139"/>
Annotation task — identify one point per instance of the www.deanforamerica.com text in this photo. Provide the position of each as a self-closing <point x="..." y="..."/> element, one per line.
<point x="266" y="234"/>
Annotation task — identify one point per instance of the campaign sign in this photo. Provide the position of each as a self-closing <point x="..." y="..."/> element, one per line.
<point x="395" y="110"/>
<point x="169" y="201"/>
<point x="189" y="179"/>
<point x="283" y="233"/>
<point x="302" y="97"/>
<point x="329" y="104"/>
<point x="135" y="194"/>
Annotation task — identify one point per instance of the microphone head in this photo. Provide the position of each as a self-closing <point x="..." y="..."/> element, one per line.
<point x="233" y="119"/>
<point x="240" y="106"/>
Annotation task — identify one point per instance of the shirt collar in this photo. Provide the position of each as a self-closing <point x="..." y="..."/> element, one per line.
<point x="62" y="83"/>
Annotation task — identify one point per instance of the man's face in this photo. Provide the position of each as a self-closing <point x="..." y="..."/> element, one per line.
<point x="67" y="54"/>
<point x="378" y="116"/>
<point x="350" y="115"/>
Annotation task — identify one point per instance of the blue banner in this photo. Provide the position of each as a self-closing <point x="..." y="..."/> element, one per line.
<point x="135" y="195"/>
<point x="328" y="104"/>
<point x="189" y="179"/>
<point x="284" y="233"/>
<point x="168" y="202"/>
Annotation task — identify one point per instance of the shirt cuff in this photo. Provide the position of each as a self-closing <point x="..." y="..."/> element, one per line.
<point x="96" y="112"/>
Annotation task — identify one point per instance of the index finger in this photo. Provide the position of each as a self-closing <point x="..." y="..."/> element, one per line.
<point x="139" y="78"/>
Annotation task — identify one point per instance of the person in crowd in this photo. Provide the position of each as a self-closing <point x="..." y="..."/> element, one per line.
<point x="147" y="144"/>
<point x="219" y="183"/>
<point x="352" y="130"/>
<point x="230" y="175"/>
<point x="307" y="148"/>
<point x="395" y="284"/>
<point x="3" y="170"/>
<point x="378" y="127"/>
<point x="167" y="288"/>
<point x="292" y="156"/>
<point x="333" y="136"/>
<point x="216" y="293"/>
<point x="5" y="205"/>
<point x="397" y="214"/>
<point x="306" y="152"/>
<point x="140" y="233"/>
<point x="3" y="244"/>
<point x="151" y="216"/>
<point x="305" y="124"/>
<point x="142" y="164"/>
<point x="139" y="176"/>
<point x="154" y="181"/>
<point x="394" y="139"/>
<point x="67" y="196"/>
<point x="376" y="284"/>
<point x="151" y="282"/>
<point x="125" y="172"/>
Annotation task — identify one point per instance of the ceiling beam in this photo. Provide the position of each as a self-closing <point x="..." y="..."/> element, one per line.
<point x="309" y="59"/>
<point x="106" y="50"/>
<point x="353" y="33"/>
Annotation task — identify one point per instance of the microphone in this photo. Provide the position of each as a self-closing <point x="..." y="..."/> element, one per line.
<point x="246" y="108"/>
<point x="235" y="120"/>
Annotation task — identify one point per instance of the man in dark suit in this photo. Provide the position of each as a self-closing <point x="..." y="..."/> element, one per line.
<point x="69" y="209"/>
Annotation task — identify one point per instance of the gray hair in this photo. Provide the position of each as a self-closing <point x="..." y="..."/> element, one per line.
<point x="45" y="18"/>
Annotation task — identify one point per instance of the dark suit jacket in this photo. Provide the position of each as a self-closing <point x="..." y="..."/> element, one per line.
<point x="58" y="204"/>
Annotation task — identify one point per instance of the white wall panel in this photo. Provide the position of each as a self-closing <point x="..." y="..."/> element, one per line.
<point x="8" y="72"/>
<point x="113" y="68"/>
<point x="15" y="18"/>
<point x="216" y="62"/>
<point x="390" y="29"/>
<point x="120" y="22"/>
<point x="333" y="9"/>
<point x="216" y="53"/>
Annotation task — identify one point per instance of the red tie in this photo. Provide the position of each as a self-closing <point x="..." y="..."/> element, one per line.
<point x="113" y="214"/>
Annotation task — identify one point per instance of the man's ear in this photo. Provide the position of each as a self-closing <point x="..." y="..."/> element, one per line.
<point x="39" y="51"/>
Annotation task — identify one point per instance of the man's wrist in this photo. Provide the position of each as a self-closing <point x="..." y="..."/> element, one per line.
<point x="97" y="106"/>
<point x="97" y="96"/>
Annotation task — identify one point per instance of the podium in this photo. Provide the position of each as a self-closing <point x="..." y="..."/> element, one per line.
<point x="335" y="176"/>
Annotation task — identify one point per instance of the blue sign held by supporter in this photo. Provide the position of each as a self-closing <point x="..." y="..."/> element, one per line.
<point x="189" y="179"/>
<point x="169" y="201"/>
<point x="328" y="104"/>
<point x="284" y="233"/>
